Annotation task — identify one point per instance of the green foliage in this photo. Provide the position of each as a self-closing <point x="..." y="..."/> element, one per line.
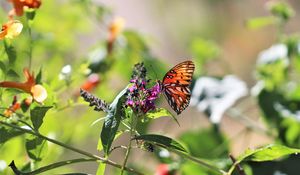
<point x="163" y="141"/>
<point x="269" y="152"/>
<point x="112" y="121"/>
<point x="214" y="146"/>
<point x="37" y="115"/>
<point x="36" y="148"/>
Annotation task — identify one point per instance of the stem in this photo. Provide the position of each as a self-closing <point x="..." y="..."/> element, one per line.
<point x="198" y="161"/>
<point x="51" y="166"/>
<point x="132" y="129"/>
<point x="239" y="167"/>
<point x="103" y="160"/>
<point x="30" y="47"/>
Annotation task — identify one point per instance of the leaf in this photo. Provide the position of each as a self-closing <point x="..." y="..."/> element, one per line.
<point x="112" y="121"/>
<point x="3" y="67"/>
<point x="267" y="153"/>
<point x="36" y="147"/>
<point x="6" y="134"/>
<point x="160" y="112"/>
<point x="11" y="52"/>
<point x="101" y="169"/>
<point x="37" y="115"/>
<point x="162" y="141"/>
<point x="12" y="73"/>
<point x="38" y="77"/>
<point x="260" y="22"/>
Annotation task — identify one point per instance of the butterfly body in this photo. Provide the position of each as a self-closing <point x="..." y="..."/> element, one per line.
<point x="176" y="85"/>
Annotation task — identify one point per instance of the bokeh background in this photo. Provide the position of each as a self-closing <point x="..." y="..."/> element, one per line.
<point x="73" y="32"/>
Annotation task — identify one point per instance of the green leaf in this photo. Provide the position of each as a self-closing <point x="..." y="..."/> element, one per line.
<point x="163" y="141"/>
<point x="12" y="73"/>
<point x="11" y="52"/>
<point x="160" y="112"/>
<point x="101" y="169"/>
<point x="37" y="115"/>
<point x="38" y="77"/>
<point x="3" y="67"/>
<point x="36" y="147"/>
<point x="260" y="22"/>
<point x="6" y="134"/>
<point x="112" y="121"/>
<point x="267" y="153"/>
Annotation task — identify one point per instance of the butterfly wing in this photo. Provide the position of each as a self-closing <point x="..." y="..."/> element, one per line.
<point x="176" y="84"/>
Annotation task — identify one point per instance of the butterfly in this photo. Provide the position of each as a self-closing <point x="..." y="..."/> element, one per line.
<point x="176" y="85"/>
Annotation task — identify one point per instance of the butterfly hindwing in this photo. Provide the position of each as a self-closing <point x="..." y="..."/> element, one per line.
<point x="176" y="84"/>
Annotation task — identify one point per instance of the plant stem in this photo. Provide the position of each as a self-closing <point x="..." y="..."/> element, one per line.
<point x="198" y="161"/>
<point x="51" y="166"/>
<point x="30" y="46"/>
<point x="103" y="160"/>
<point x="132" y="129"/>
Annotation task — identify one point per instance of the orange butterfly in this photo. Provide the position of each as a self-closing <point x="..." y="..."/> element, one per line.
<point x="176" y="85"/>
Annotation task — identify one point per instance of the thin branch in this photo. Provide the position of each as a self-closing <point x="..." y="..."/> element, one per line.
<point x="51" y="166"/>
<point x="103" y="160"/>
<point x="197" y="160"/>
<point x="237" y="165"/>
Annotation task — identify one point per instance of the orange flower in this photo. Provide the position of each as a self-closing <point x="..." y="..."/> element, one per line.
<point x="11" y="29"/>
<point x="12" y="108"/>
<point x="20" y="4"/>
<point x="91" y="83"/>
<point x="37" y="91"/>
<point x="115" y="28"/>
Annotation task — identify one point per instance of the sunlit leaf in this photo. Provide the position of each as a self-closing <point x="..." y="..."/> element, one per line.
<point x="162" y="141"/>
<point x="267" y="153"/>
<point x="37" y="115"/>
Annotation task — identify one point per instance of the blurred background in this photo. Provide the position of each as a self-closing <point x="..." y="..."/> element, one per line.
<point x="213" y="33"/>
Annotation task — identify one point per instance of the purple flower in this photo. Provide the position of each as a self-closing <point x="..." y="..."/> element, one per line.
<point x="140" y="98"/>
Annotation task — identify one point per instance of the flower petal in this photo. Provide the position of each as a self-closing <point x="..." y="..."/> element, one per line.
<point x="39" y="93"/>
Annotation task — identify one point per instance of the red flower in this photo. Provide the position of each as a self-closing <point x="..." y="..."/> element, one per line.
<point x="37" y="91"/>
<point x="20" y="4"/>
<point x="91" y="83"/>
<point x="12" y="108"/>
<point x="163" y="169"/>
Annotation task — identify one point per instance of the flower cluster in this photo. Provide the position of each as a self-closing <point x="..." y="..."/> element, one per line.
<point x="19" y="6"/>
<point x="100" y="105"/>
<point x="139" y="97"/>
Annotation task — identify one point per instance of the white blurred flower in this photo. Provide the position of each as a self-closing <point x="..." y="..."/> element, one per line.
<point x="65" y="73"/>
<point x="272" y="54"/>
<point x="257" y="88"/>
<point x="3" y="165"/>
<point x="215" y="96"/>
<point x="286" y="112"/>
<point x="97" y="55"/>
<point x="164" y="153"/>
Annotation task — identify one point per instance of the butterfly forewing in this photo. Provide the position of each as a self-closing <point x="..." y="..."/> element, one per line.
<point x="176" y="85"/>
